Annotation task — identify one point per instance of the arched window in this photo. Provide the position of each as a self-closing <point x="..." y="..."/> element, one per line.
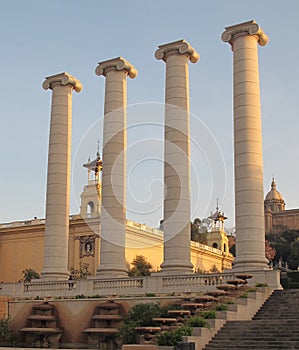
<point x="224" y="247"/>
<point x="90" y="209"/>
<point x="215" y="245"/>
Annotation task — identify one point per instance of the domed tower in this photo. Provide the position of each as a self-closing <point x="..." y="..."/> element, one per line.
<point x="92" y="192"/>
<point x="273" y="203"/>
<point x="217" y="238"/>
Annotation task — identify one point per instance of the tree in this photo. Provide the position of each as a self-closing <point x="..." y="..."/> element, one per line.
<point x="138" y="315"/>
<point x="29" y="274"/>
<point x="7" y="335"/>
<point x="199" y="232"/>
<point x="140" y="267"/>
<point x="293" y="258"/>
<point x="270" y="251"/>
<point x="81" y="273"/>
<point x="286" y="245"/>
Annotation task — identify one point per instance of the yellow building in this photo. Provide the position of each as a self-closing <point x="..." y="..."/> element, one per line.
<point x="277" y="218"/>
<point x="22" y="242"/>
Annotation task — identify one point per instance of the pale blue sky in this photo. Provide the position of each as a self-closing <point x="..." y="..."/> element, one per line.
<point x="41" y="38"/>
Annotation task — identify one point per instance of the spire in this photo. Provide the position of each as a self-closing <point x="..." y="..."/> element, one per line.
<point x="98" y="149"/>
<point x="273" y="184"/>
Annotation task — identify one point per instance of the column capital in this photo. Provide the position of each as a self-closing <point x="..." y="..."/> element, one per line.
<point x="179" y="47"/>
<point x="64" y="79"/>
<point x="119" y="64"/>
<point x="246" y="28"/>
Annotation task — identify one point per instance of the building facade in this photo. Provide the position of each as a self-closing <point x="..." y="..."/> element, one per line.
<point x="22" y="242"/>
<point x="277" y="218"/>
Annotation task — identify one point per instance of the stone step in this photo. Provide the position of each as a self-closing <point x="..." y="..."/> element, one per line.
<point x="283" y="345"/>
<point x="269" y="329"/>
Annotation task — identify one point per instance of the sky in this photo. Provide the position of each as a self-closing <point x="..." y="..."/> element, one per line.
<point x="42" y="38"/>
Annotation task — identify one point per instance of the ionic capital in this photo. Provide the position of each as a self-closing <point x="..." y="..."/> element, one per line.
<point x="246" y="28"/>
<point x="180" y="47"/>
<point x="63" y="79"/>
<point x="118" y="64"/>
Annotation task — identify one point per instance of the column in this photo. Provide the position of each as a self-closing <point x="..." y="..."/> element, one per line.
<point x="113" y="210"/>
<point x="177" y="212"/>
<point x="58" y="179"/>
<point x="248" y="156"/>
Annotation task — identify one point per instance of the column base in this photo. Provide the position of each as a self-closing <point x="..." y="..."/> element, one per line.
<point x="176" y="268"/>
<point x="54" y="275"/>
<point x="253" y="264"/>
<point x="108" y="272"/>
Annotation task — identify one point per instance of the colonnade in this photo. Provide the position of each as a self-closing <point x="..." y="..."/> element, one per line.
<point x="177" y="214"/>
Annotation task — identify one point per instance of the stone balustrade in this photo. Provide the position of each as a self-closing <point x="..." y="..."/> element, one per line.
<point x="156" y="284"/>
<point x="119" y="283"/>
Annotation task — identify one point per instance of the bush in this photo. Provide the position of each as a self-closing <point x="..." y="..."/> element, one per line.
<point x="196" y="321"/>
<point x="208" y="314"/>
<point x="244" y="295"/>
<point x="221" y="307"/>
<point x="174" y="337"/>
<point x="261" y="285"/>
<point x="229" y="302"/>
<point x="139" y="315"/>
<point x="80" y="296"/>
<point x="81" y="273"/>
<point x="6" y="333"/>
<point x="140" y="267"/>
<point x="29" y="274"/>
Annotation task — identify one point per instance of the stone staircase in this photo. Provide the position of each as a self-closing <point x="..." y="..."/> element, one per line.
<point x="275" y="326"/>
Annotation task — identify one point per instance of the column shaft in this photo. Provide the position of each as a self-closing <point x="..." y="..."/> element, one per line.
<point x="58" y="179"/>
<point x="113" y="211"/>
<point x="177" y="211"/>
<point x="248" y="155"/>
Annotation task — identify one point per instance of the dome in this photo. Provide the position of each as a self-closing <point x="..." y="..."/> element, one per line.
<point x="273" y="194"/>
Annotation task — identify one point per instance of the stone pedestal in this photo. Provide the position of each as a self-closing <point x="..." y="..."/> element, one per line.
<point x="249" y="194"/>
<point x="113" y="210"/>
<point x="177" y="213"/>
<point x="58" y="179"/>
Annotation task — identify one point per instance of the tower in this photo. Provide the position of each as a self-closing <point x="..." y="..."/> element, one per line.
<point x="273" y="203"/>
<point x="273" y="200"/>
<point x="217" y="238"/>
<point x="92" y="192"/>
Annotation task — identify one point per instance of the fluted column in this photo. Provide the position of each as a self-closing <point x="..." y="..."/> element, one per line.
<point x="58" y="179"/>
<point x="248" y="156"/>
<point x="177" y="212"/>
<point x="113" y="211"/>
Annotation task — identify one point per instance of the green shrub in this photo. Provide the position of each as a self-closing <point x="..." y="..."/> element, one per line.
<point x="80" y="296"/>
<point x="96" y="296"/>
<point x="197" y="321"/>
<point x="6" y="333"/>
<point x="210" y="314"/>
<point x="221" y="307"/>
<point x="29" y="275"/>
<point x="251" y="290"/>
<point x="174" y="337"/>
<point x="150" y="295"/>
<point x="261" y="285"/>
<point x="229" y="302"/>
<point x="244" y="295"/>
<point x="138" y="315"/>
